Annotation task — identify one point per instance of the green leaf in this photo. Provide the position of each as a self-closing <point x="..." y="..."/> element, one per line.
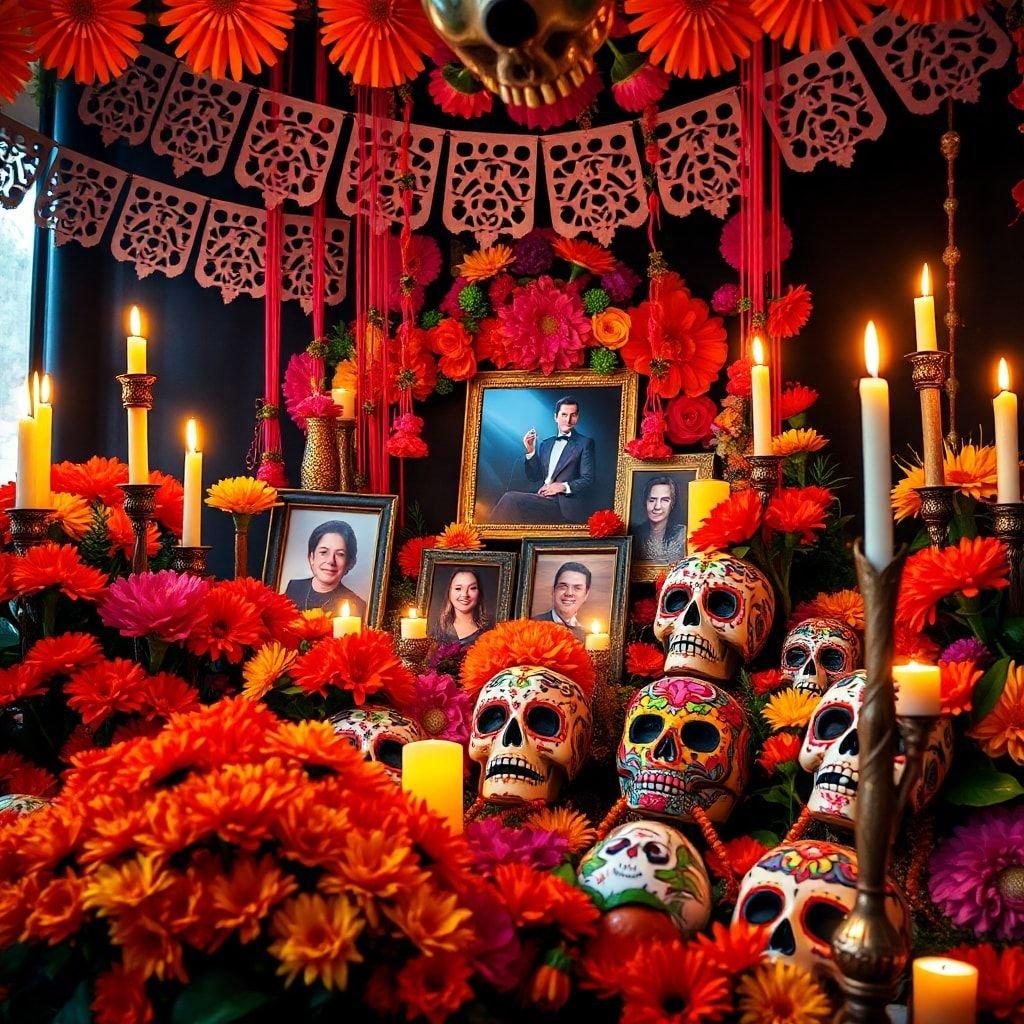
<point x="982" y="786"/>
<point x="741" y="550"/>
<point x="777" y="795"/>
<point x="990" y="689"/>
<point x="1013" y="630"/>
<point x="216" y="998"/>
<point x="76" y="1010"/>
<point x="765" y="838"/>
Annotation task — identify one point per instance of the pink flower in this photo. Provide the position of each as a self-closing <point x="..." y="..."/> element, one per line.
<point x="651" y="442"/>
<point x="688" y="420"/>
<point x="546" y="327"/>
<point x="442" y="707"/>
<point x="725" y="299"/>
<point x="682" y="690"/>
<point x="551" y="115"/>
<point x="731" y="243"/>
<point x="424" y="264"/>
<point x="163" y="605"/>
<point x="493" y="845"/>
<point x="320" y="404"/>
<point x="457" y="92"/>
<point x="637" y="83"/>
<point x="303" y="376"/>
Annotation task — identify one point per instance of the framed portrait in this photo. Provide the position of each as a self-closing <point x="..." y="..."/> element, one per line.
<point x="578" y="583"/>
<point x="657" y="505"/>
<point x="540" y="454"/>
<point x="325" y="549"/>
<point x="463" y="594"/>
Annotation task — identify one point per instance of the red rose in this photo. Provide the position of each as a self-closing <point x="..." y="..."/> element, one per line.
<point x="739" y="378"/>
<point x="688" y="420"/>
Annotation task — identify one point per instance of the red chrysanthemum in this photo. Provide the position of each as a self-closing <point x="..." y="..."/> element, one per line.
<point x="957" y="680"/>
<point x="796" y="398"/>
<point x="797" y="510"/>
<point x="694" y="37"/>
<point x="16" y="684"/>
<point x="605" y="522"/>
<point x="743" y="853"/>
<point x="120" y="998"/>
<point x="738" y="378"/>
<point x="227" y="624"/>
<point x="101" y="690"/>
<point x="15" y="49"/>
<point x="789" y="313"/>
<point x="546" y="327"/>
<point x="60" y="655"/>
<point x="122" y="534"/>
<point x="277" y="613"/>
<point x="737" y="947"/>
<point x="454" y="89"/>
<point x="929" y="12"/>
<point x="810" y="24"/>
<point x="645" y="660"/>
<point x="914" y="645"/>
<point x="668" y="983"/>
<point x="1000" y="979"/>
<point x="57" y="565"/>
<point x="588" y="255"/>
<point x="643" y="611"/>
<point x="95" y="480"/>
<point x="18" y="775"/>
<point x="782" y="748"/>
<point x="730" y="522"/>
<point x="766" y="681"/>
<point x="169" y="501"/>
<point x="362" y="664"/>
<point x="221" y="36"/>
<point x="410" y="553"/>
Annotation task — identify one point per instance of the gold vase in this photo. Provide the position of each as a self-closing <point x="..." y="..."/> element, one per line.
<point x="320" y="459"/>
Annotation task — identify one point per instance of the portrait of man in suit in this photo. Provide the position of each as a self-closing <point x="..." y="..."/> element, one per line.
<point x="561" y="469"/>
<point x="569" y="594"/>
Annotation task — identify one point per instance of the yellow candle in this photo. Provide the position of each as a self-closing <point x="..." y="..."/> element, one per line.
<point x="924" y="315"/>
<point x="874" y="404"/>
<point x="918" y="691"/>
<point x="945" y="991"/>
<point x="597" y="639"/>
<point x="432" y="771"/>
<point x="346" y="401"/>
<point x="413" y="627"/>
<point x="761" y="400"/>
<point x="345" y="622"/>
<point x="191" y="524"/>
<point x="26" y="490"/>
<point x="136" y="343"/>
<point x="42" y="452"/>
<point x="1004" y="406"/>
<point x="702" y="496"/>
<point x="138" y="446"/>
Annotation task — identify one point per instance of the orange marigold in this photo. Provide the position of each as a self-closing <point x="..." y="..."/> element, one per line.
<point x="461" y="536"/>
<point x="731" y="522"/>
<point x="120" y="998"/>
<point x="432" y="920"/>
<point x="783" y="748"/>
<point x="169" y="501"/>
<point x="241" y="496"/>
<point x="1000" y="979"/>
<point x="57" y="913"/>
<point x="535" y="898"/>
<point x="957" y="680"/>
<point x="434" y="987"/>
<point x="573" y="826"/>
<point x="265" y="668"/>
<point x="972" y="470"/>
<point x="845" y="605"/>
<point x="737" y="947"/>
<point x="72" y="514"/>
<point x="57" y="565"/>
<point x="106" y="688"/>
<point x="798" y="442"/>
<point x="743" y="853"/>
<point x="95" y="480"/>
<point x="1001" y="731"/>
<point x="316" y="938"/>
<point x="797" y="510"/>
<point x="60" y="655"/>
<point x="241" y="897"/>
<point x="644" y="659"/>
<point x="122" y="536"/>
<point x="228" y="624"/>
<point x="362" y="664"/>
<point x="484" y="264"/>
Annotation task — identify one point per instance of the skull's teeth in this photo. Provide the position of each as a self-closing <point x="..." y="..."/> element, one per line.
<point x="511" y="766"/>
<point x="692" y="647"/>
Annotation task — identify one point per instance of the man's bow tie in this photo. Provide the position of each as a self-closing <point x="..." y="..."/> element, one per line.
<point x="564" y="437"/>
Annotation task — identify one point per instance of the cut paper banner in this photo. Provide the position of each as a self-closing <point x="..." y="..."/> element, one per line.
<point x="24" y="158"/>
<point x="231" y="251"/>
<point x="78" y="198"/>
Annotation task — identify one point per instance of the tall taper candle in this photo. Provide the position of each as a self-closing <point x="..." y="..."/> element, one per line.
<point x="191" y="525"/>
<point x="136" y="343"/>
<point x="924" y="315"/>
<point x="138" y="419"/>
<point x="1004" y="406"/>
<point x="761" y="400"/>
<point x="26" y="491"/>
<point x="874" y="401"/>
<point x="44" y="439"/>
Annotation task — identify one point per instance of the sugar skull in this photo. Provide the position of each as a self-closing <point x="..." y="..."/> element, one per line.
<point x="714" y="611"/>
<point x="684" y="746"/>
<point x="817" y="652"/>
<point x="801" y="892"/>
<point x="21" y="803"/>
<point x="531" y="731"/>
<point x="831" y="750"/>
<point x="530" y="52"/>
<point x="379" y="732"/>
<point x="649" y="864"/>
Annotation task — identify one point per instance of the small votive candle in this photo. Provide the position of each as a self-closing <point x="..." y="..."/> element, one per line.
<point x="596" y="639"/>
<point x="432" y="772"/>
<point x="413" y="627"/>
<point x="345" y="622"/>
<point x="345" y="400"/>
<point x="945" y="991"/>
<point x="918" y="690"/>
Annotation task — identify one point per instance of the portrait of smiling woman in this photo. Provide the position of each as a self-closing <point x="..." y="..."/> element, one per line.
<point x="332" y="552"/>
<point x="464" y="614"/>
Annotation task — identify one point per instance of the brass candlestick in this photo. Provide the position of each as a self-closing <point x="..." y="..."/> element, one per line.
<point x="29" y="527"/>
<point x="1008" y="526"/>
<point x="242" y="523"/>
<point x="346" y="430"/>
<point x="139" y="505"/>
<point x="136" y="390"/>
<point x="929" y="371"/>
<point x="764" y="475"/>
<point x="319" y="471"/>
<point x="937" y="512"/>
<point x="192" y="560"/>
<point x="870" y="951"/>
<point x="607" y="729"/>
<point x="915" y="730"/>
<point x="413" y="652"/>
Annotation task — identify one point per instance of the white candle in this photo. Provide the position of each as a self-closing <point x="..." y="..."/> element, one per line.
<point x="432" y="771"/>
<point x="191" y="523"/>
<point x="945" y="991"/>
<point x="136" y="343"/>
<point x="345" y="622"/>
<point x="26" y="483"/>
<point x="761" y="400"/>
<point x="918" y="690"/>
<point x="346" y="401"/>
<point x="874" y="401"/>
<point x="1004" y="406"/>
<point x="413" y="627"/>
<point x="924" y="315"/>
<point x="597" y="639"/>
<point x="42" y="453"/>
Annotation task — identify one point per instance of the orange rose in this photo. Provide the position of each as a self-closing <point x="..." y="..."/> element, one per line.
<point x="611" y="327"/>
<point x="460" y="365"/>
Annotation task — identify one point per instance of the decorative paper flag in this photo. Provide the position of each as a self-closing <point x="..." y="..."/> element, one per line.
<point x="24" y="157"/>
<point x="78" y="198"/>
<point x="595" y="182"/>
<point x="926" y="63"/>
<point x="701" y="163"/>
<point x="231" y="251"/>
<point x="492" y="180"/>
<point x="199" y="120"/>
<point x="825" y="108"/>
<point x="297" y="261"/>
<point x="288" y="148"/>
<point x="124" y="108"/>
<point x="425" y="146"/>
<point x="157" y="228"/>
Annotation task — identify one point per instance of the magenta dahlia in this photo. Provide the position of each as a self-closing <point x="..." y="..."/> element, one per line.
<point x="162" y="605"/>
<point x="545" y="326"/>
<point x="637" y="83"/>
<point x="441" y="706"/>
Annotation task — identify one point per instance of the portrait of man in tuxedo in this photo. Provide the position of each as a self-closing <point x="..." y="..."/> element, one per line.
<point x="562" y="469"/>
<point x="569" y="594"/>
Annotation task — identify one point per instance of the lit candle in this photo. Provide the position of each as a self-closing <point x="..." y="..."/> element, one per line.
<point x="701" y="497"/>
<point x="432" y="771"/>
<point x="1004" y="405"/>
<point x="346" y="401"/>
<point x="345" y="622"/>
<point x="597" y="639"/>
<point x="874" y="402"/>
<point x="918" y="691"/>
<point x="191" y="524"/>
<point x="136" y="343"/>
<point x="945" y="991"/>
<point x="138" y="419"/>
<point x="924" y="315"/>
<point x="761" y="399"/>
<point x="413" y="627"/>
<point x="26" y="490"/>
<point x="42" y="453"/>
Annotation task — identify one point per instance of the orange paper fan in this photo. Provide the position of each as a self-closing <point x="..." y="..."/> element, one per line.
<point x="15" y="49"/>
<point x="929" y="11"/>
<point x="220" y="35"/>
<point x="810" y="24"/>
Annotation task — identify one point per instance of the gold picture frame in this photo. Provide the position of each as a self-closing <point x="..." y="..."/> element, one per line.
<point x="540" y="394"/>
<point x="698" y="466"/>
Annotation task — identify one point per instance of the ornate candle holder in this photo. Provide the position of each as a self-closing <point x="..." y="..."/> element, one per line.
<point x="764" y="475"/>
<point x="29" y="527"/>
<point x="319" y="470"/>
<point x="937" y="511"/>
<point x="870" y="951"/>
<point x="1008" y="526"/>
<point x="929" y="372"/>
<point x="915" y="730"/>
<point x="346" y="431"/>
<point x="414" y="653"/>
<point x="139" y="506"/>
<point x="192" y="560"/>
<point x="136" y="390"/>
<point x="604" y="711"/>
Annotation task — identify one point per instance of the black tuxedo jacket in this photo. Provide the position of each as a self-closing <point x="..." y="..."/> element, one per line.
<point x="549" y="616"/>
<point x="575" y="467"/>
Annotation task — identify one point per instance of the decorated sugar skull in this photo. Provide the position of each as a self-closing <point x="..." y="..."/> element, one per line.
<point x="684" y="746"/>
<point x="714" y="611"/>
<point x="531" y="731"/>
<point x="21" y="803"/>
<point x="801" y="892"/>
<point x="831" y="750"/>
<point x="531" y="52"/>
<point x="379" y="732"/>
<point x="817" y="652"/>
<point x="650" y="864"/>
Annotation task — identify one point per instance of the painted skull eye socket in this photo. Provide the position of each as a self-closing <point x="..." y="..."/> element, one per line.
<point x="700" y="736"/>
<point x="677" y="599"/>
<point x="389" y="751"/>
<point x="492" y="718"/>
<point x="762" y="906"/>
<point x="544" y="721"/>
<point x="722" y="603"/>
<point x="656" y="853"/>
<point x="645" y="728"/>
<point x="351" y="740"/>
<point x="821" y="919"/>
<point x="832" y="722"/>
<point x="616" y="846"/>
<point x="832" y="659"/>
<point x="795" y="656"/>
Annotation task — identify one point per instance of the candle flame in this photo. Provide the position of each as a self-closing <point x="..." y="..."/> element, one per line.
<point x="25" y="400"/>
<point x="926" y="282"/>
<point x="192" y="436"/>
<point x="595" y="627"/>
<point x="872" y="356"/>
<point x="35" y="392"/>
<point x="135" y="322"/>
<point x="47" y="389"/>
<point x="757" y="348"/>
<point x="413" y="613"/>
<point x="1004" y="376"/>
<point x="346" y="611"/>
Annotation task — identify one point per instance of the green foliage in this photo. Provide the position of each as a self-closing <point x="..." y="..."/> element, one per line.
<point x="595" y="300"/>
<point x="444" y="386"/>
<point x="603" y="361"/>
<point x="989" y="689"/>
<point x="95" y="545"/>
<point x="473" y="300"/>
<point x="341" y="344"/>
<point x="430" y="318"/>
<point x="77" y="1009"/>
<point x="216" y="998"/>
<point x="980" y="784"/>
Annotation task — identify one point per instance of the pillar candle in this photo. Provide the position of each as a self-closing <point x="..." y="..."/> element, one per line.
<point x="136" y="343"/>
<point x="346" y="401"/>
<point x="918" y="690"/>
<point x="701" y="497"/>
<point x="761" y="400"/>
<point x="25" y="488"/>
<point x="432" y="771"/>
<point x="924" y="315"/>
<point x="945" y="991"/>
<point x="1004" y="406"/>
<point x="43" y="451"/>
<point x="413" y="627"/>
<point x="597" y="639"/>
<point x="191" y="525"/>
<point x="345" y="622"/>
<point x="874" y="402"/>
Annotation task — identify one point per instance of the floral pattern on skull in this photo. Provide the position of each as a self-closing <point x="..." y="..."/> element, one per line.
<point x="379" y="732"/>
<point x="818" y="652"/>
